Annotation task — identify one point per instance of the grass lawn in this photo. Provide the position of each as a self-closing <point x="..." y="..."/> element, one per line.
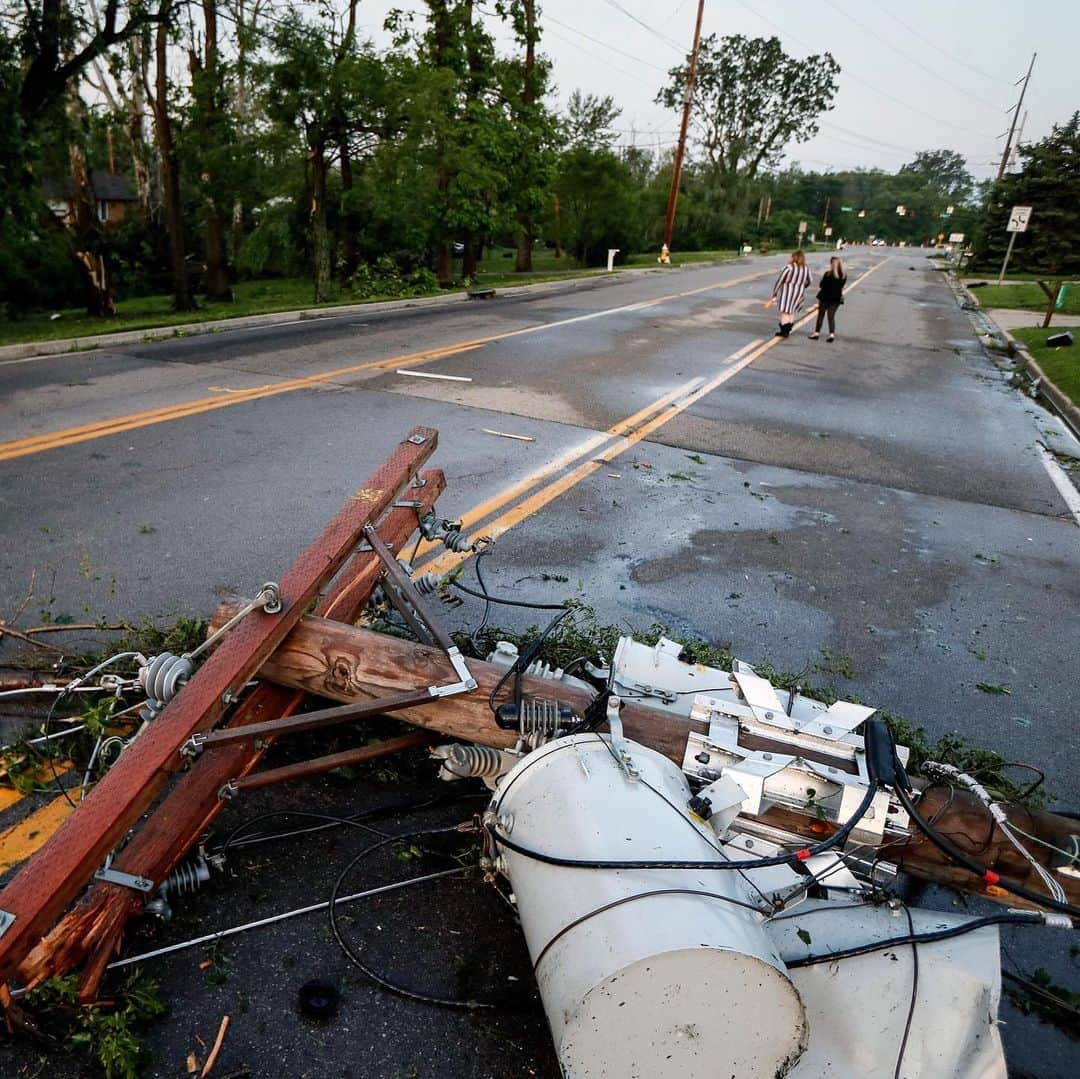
<point x="292" y="294"/>
<point x="1025" y="298"/>
<point x="1062" y="365"/>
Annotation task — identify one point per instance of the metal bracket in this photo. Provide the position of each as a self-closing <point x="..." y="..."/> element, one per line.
<point x="125" y="880"/>
<point x="465" y="682"/>
<point x="7" y="920"/>
<point x="618" y="742"/>
<point x="194" y="745"/>
<point x="416" y="440"/>
<point x="408" y="505"/>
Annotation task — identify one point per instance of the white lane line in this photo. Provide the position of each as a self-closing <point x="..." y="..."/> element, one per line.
<point x="1060" y="479"/>
<point x="432" y="374"/>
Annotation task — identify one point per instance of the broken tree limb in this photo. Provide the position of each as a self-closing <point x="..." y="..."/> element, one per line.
<point x="52" y="879"/>
<point x="346" y="664"/>
<point x="94" y="927"/>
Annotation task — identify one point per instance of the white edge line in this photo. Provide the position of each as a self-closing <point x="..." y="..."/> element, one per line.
<point x="1061" y="481"/>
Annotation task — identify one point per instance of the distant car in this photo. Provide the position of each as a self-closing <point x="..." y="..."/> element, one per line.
<point x="459" y="248"/>
<point x="877" y="243"/>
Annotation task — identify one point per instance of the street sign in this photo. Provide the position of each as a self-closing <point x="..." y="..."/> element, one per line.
<point x="846" y="209"/>
<point x="802" y="228"/>
<point x="1018" y="219"/>
<point x="949" y="209"/>
<point x="828" y="230"/>
<point x="956" y="237"/>
<point x="901" y="211"/>
<point x="862" y="213"/>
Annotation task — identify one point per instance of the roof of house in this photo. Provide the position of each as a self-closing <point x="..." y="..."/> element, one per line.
<point x="107" y="186"/>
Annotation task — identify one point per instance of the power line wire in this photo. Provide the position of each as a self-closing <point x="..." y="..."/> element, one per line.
<point x="604" y="44"/>
<point x="680" y="49"/>
<point x="934" y="45"/>
<point x="862" y="82"/>
<point x="911" y="59"/>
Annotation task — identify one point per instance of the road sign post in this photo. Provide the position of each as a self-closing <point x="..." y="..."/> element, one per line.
<point x="802" y="231"/>
<point x="1019" y="217"/>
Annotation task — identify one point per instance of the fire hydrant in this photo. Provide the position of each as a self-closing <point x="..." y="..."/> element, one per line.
<point x="665" y="256"/>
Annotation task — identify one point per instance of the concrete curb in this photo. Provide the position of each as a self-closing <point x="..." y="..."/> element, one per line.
<point x="30" y="349"/>
<point x="1044" y="386"/>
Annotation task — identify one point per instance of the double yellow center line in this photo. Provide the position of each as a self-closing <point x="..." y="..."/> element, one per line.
<point x="225" y="397"/>
<point x="616" y="441"/>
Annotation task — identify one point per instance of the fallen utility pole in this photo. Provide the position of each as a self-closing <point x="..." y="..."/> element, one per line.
<point x="92" y="930"/>
<point x="46" y="885"/>
<point x="349" y="664"/>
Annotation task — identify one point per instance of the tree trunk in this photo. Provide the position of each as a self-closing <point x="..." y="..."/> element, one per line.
<point x="558" y="225"/>
<point x="523" y="259"/>
<point x="320" y="236"/>
<point x="347" y="227"/>
<point x="139" y="60"/>
<point x="208" y="95"/>
<point x="84" y="224"/>
<point x="468" y="259"/>
<point x="170" y="175"/>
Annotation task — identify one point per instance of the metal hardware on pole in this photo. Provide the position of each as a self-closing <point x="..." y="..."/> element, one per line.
<point x="1016" y="116"/>
<point x="676" y="173"/>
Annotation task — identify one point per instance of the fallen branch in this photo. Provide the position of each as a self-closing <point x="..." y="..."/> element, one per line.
<point x="211" y="1060"/>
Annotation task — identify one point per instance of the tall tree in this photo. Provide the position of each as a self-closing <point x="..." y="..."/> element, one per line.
<point x="160" y="106"/>
<point x="588" y="120"/>
<point x="1049" y="182"/>
<point x="945" y="172"/>
<point x="212" y="144"/>
<point x="751" y="100"/>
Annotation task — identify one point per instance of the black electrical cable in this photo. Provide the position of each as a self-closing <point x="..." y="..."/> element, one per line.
<point x="503" y="601"/>
<point x="379" y="979"/>
<point x="517" y="668"/>
<point x="930" y="937"/>
<point x="1037" y="990"/>
<point x="758" y="863"/>
<point x="948" y="848"/>
<point x="475" y="635"/>
<point x="622" y="901"/>
<point x="914" y="994"/>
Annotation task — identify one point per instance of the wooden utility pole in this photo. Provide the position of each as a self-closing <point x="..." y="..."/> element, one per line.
<point x="1016" y="116"/>
<point x="673" y="195"/>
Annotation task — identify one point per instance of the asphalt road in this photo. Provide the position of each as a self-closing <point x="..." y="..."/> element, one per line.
<point x="878" y="510"/>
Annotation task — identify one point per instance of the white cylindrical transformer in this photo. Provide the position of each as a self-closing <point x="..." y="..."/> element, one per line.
<point x="644" y="973"/>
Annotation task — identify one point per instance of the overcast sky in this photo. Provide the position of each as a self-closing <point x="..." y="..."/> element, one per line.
<point x="916" y="74"/>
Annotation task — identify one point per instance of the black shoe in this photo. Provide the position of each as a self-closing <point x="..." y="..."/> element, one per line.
<point x="814" y="336"/>
<point x="779" y="333"/>
<point x="831" y="338"/>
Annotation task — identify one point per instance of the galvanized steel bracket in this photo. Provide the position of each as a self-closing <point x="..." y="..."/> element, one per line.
<point x="125" y="880"/>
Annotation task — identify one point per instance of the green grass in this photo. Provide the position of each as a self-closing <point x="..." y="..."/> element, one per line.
<point x="1062" y="365"/>
<point x="154" y="312"/>
<point x="150" y="313"/>
<point x="1025" y="298"/>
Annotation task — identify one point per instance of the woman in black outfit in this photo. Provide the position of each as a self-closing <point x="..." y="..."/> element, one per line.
<point x="830" y="296"/>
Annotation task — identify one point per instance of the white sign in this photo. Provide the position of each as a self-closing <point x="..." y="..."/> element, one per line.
<point x="956" y="237"/>
<point x="828" y="230"/>
<point x="949" y="209"/>
<point x="802" y="228"/>
<point x="901" y="211"/>
<point x="1018" y="219"/>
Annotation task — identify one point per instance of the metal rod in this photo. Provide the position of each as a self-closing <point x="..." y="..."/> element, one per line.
<point x="1008" y="255"/>
<point x="221" y="934"/>
<point x="320" y="765"/>
<point x="324" y="717"/>
<point x="400" y="578"/>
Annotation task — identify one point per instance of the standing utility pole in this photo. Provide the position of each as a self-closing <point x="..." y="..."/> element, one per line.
<point x="673" y="196"/>
<point x="1016" y="116"/>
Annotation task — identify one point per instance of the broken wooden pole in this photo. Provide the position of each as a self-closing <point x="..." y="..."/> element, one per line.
<point x="51" y="880"/>
<point x="94" y="927"/>
<point x="346" y="663"/>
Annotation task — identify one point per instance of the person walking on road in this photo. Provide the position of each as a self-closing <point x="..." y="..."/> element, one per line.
<point x="830" y="296"/>
<point x="789" y="290"/>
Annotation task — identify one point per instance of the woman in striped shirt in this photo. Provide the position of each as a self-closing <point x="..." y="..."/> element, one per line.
<point x="789" y="290"/>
